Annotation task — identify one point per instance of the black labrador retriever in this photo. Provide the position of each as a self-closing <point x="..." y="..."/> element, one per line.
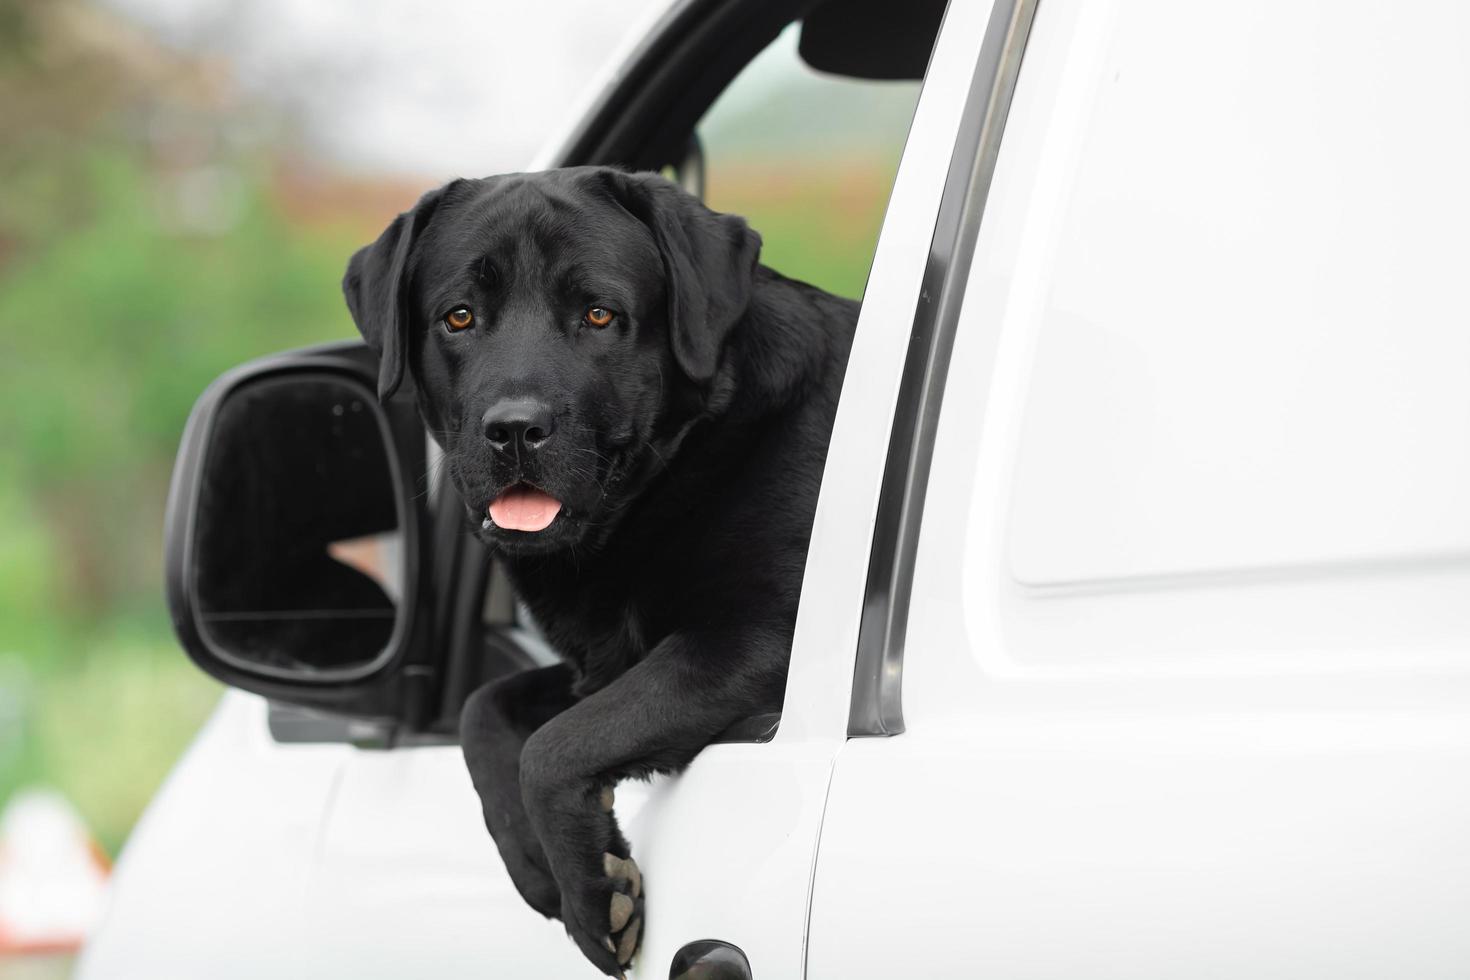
<point x="635" y="413"/>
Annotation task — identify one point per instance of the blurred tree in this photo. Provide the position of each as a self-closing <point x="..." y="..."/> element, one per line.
<point x="144" y="249"/>
<point x="141" y="256"/>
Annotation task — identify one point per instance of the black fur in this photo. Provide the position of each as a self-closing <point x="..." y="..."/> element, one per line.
<point x="687" y="448"/>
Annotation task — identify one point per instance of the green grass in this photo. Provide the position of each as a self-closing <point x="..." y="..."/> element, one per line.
<point x="109" y="329"/>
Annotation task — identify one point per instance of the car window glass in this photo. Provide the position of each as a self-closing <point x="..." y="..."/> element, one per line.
<point x="809" y="158"/>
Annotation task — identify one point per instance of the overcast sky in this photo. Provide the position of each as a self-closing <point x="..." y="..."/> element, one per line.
<point x="437" y="88"/>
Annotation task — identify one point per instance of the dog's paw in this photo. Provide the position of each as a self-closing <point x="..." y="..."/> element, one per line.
<point x="605" y="918"/>
<point x="625" y="908"/>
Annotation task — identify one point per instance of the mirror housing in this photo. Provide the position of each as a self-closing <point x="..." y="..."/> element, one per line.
<point x="880" y="40"/>
<point x="292" y="537"/>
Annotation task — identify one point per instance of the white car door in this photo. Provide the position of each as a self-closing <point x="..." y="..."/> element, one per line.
<point x="1185" y="674"/>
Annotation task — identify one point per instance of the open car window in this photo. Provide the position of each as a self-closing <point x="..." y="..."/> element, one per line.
<point x="807" y="156"/>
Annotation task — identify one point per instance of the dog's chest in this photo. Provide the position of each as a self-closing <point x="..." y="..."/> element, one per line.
<point x="596" y="623"/>
<point x="672" y="557"/>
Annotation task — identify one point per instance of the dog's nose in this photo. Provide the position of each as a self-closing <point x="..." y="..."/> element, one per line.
<point x="513" y="424"/>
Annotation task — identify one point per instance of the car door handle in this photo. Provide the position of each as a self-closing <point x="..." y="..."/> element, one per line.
<point x="709" y="959"/>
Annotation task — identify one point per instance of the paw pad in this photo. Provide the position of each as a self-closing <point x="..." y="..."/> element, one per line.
<point x="628" y="944"/>
<point x="624" y="908"/>
<point x="622" y="870"/>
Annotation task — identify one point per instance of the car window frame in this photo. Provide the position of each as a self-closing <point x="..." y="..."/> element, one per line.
<point x="876" y="705"/>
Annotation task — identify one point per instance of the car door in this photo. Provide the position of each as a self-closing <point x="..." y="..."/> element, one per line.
<point x="1182" y="689"/>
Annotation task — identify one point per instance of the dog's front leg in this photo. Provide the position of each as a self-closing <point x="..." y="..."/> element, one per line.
<point x="653" y="718"/>
<point x="493" y="728"/>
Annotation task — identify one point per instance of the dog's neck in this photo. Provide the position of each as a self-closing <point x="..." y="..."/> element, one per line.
<point x="792" y="339"/>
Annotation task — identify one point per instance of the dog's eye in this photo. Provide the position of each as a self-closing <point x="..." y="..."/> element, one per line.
<point x="598" y="316"/>
<point x="459" y="319"/>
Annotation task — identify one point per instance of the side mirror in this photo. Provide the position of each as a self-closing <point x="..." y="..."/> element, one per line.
<point x="293" y="529"/>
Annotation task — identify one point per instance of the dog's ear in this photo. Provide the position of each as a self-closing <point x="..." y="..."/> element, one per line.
<point x="709" y="266"/>
<point x="376" y="287"/>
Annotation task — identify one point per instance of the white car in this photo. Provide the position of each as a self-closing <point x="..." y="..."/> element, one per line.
<point x="1135" y="633"/>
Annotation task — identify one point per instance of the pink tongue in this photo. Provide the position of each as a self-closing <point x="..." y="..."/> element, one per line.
<point x="524" y="509"/>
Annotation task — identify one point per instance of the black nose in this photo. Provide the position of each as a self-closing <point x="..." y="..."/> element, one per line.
<point x="513" y="424"/>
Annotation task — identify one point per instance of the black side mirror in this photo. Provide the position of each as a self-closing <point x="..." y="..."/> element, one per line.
<point x="293" y="530"/>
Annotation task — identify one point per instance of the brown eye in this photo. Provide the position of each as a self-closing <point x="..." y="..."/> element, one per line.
<point x="459" y="319"/>
<point x="598" y="316"/>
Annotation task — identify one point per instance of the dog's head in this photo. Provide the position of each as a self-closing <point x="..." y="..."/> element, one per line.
<point x="562" y="329"/>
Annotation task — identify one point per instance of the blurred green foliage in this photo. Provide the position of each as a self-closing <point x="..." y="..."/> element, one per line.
<point x="814" y="226"/>
<point x="108" y="332"/>
<point x="115" y="312"/>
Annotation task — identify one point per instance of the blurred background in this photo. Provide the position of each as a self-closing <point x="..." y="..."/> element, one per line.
<point x="181" y="183"/>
